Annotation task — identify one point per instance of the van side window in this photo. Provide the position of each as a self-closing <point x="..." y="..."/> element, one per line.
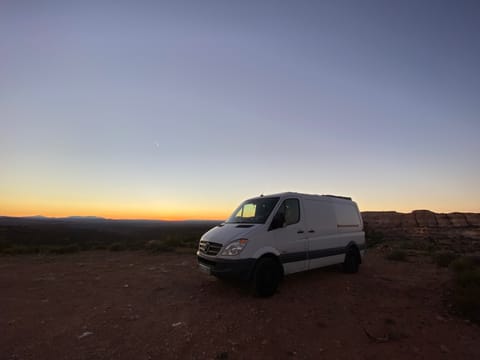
<point x="291" y="210"/>
<point x="347" y="215"/>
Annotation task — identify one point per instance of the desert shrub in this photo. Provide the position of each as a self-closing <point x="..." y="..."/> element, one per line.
<point x="99" y="247"/>
<point x="418" y="245"/>
<point x="172" y="242"/>
<point x="397" y="255"/>
<point x="190" y="241"/>
<point x="134" y="245"/>
<point x="118" y="246"/>
<point x="19" y="249"/>
<point x="156" y="246"/>
<point x="443" y="259"/>
<point x="405" y="244"/>
<point x="431" y="248"/>
<point x="466" y="287"/>
<point x="464" y="263"/>
<point x="373" y="237"/>
<point x="67" y="249"/>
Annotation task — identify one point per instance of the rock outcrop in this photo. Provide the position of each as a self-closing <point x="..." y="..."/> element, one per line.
<point x="454" y="231"/>
<point x="419" y="218"/>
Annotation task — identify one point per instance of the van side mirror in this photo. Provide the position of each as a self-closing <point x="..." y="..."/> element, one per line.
<point x="277" y="222"/>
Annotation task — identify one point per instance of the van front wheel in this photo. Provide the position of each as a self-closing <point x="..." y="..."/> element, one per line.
<point x="266" y="277"/>
<point x="350" y="265"/>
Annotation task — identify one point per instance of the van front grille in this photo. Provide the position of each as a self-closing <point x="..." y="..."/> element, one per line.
<point x="209" y="248"/>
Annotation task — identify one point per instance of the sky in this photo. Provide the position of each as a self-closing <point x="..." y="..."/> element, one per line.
<point x="182" y="109"/>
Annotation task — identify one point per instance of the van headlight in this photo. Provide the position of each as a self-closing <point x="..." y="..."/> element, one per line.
<point x="234" y="248"/>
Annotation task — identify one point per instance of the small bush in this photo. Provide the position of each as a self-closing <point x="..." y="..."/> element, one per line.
<point x="117" y="247"/>
<point x="173" y="242"/>
<point x="466" y="287"/>
<point x="18" y="250"/>
<point x="100" y="247"/>
<point x="68" y="249"/>
<point x="373" y="237"/>
<point x="50" y="249"/>
<point x="156" y="246"/>
<point x="397" y="255"/>
<point x="443" y="259"/>
<point x="464" y="263"/>
<point x="418" y="245"/>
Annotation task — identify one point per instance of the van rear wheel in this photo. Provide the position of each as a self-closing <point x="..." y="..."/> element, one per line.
<point x="266" y="277"/>
<point x="351" y="263"/>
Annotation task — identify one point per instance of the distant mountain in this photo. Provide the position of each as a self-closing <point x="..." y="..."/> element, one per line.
<point x="83" y="218"/>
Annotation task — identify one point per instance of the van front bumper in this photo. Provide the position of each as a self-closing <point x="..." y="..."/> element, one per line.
<point x="240" y="269"/>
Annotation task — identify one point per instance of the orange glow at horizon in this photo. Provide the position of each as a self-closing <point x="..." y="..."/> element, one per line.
<point x="118" y="214"/>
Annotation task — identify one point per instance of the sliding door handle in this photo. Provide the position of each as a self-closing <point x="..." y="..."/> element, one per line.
<point x="300" y="232"/>
<point x="311" y="231"/>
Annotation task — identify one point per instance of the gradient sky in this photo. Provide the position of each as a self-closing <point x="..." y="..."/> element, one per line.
<point x="181" y="109"/>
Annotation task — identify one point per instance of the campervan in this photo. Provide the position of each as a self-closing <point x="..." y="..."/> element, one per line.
<point x="268" y="237"/>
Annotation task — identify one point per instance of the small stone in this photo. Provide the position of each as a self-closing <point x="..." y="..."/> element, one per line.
<point x="85" y="334"/>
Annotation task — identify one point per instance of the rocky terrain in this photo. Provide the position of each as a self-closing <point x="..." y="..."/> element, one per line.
<point x="132" y="305"/>
<point x="458" y="232"/>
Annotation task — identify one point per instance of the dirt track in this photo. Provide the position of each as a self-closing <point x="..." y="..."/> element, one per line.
<point x="101" y="305"/>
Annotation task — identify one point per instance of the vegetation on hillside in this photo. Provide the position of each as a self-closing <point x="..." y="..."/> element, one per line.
<point x="466" y="287"/>
<point x="69" y="237"/>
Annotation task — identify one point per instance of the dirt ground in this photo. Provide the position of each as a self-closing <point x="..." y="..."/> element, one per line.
<point x="132" y="305"/>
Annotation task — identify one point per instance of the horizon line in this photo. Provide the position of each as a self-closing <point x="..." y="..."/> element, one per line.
<point x="40" y="216"/>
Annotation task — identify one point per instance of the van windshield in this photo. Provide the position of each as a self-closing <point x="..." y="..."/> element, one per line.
<point x="255" y="211"/>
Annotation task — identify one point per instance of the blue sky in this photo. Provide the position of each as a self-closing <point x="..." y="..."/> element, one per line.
<point x="174" y="109"/>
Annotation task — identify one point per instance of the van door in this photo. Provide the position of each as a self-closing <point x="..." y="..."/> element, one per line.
<point x="324" y="247"/>
<point x="289" y="236"/>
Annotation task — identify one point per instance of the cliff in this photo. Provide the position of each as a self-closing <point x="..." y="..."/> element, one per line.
<point x="458" y="232"/>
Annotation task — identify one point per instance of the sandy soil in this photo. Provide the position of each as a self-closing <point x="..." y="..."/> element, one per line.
<point x="102" y="305"/>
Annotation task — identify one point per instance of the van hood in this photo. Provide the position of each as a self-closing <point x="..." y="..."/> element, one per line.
<point x="225" y="233"/>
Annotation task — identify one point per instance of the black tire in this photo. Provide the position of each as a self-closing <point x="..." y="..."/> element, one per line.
<point x="351" y="263"/>
<point x="266" y="277"/>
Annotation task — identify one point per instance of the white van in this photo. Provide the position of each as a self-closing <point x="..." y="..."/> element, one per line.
<point x="270" y="236"/>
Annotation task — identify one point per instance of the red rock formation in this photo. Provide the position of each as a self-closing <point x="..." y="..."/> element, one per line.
<point x="454" y="231"/>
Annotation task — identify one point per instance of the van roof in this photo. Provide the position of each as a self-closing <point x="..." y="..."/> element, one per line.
<point x="291" y="193"/>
